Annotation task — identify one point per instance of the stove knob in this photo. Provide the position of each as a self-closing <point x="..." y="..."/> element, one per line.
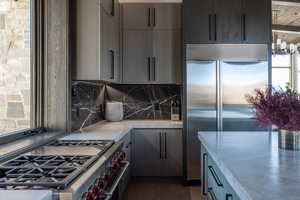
<point x="91" y="196"/>
<point x="116" y="166"/>
<point x="123" y="155"/>
<point x="96" y="190"/>
<point x="101" y="184"/>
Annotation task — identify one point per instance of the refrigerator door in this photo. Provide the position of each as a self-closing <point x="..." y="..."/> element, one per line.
<point x="237" y="80"/>
<point x="201" y="109"/>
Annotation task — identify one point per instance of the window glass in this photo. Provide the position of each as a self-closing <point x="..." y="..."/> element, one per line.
<point x="281" y="66"/>
<point x="15" y="66"/>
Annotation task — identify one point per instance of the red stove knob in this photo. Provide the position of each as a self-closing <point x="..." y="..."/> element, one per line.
<point x="102" y="184"/>
<point x="116" y="166"/>
<point x="91" y="196"/>
<point x="123" y="154"/>
<point x="96" y="190"/>
<point x="106" y="177"/>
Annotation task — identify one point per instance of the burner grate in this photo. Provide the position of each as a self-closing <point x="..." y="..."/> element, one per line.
<point x="42" y="170"/>
<point x="95" y="143"/>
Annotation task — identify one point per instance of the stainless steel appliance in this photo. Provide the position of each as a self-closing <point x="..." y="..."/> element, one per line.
<point x="70" y="169"/>
<point x="218" y="76"/>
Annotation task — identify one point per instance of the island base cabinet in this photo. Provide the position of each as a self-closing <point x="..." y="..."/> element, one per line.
<point x="214" y="184"/>
<point x="157" y="152"/>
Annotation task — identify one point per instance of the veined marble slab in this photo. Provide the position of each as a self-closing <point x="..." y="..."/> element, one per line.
<point x="254" y="165"/>
<point x="116" y="130"/>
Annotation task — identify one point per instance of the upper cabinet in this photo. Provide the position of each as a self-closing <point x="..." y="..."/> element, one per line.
<point x="227" y="21"/>
<point x="163" y="16"/>
<point x="152" y="43"/>
<point x="96" y="38"/>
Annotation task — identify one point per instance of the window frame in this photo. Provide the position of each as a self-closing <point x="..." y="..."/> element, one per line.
<point x="36" y="72"/>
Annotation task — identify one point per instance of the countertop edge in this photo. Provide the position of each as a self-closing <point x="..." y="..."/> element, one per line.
<point x="239" y="189"/>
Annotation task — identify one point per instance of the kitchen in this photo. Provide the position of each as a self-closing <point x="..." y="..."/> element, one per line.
<point x="146" y="99"/>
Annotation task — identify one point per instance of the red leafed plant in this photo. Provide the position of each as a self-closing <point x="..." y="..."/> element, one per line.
<point x="277" y="107"/>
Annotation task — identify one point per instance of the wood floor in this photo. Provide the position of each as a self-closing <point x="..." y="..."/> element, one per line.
<point x="160" y="189"/>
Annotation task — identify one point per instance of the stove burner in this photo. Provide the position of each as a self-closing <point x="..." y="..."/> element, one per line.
<point x="42" y="171"/>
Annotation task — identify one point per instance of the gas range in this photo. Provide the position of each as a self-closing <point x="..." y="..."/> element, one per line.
<point x="70" y="169"/>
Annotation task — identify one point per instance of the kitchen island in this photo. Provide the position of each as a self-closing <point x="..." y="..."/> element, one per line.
<point x="250" y="164"/>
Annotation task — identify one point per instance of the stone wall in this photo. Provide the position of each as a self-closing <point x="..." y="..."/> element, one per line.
<point x="14" y="65"/>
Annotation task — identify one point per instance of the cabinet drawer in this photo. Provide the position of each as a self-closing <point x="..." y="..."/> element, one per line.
<point x="217" y="186"/>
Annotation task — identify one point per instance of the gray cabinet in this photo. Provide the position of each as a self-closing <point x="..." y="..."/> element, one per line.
<point x="163" y="16"/>
<point x="198" y="17"/>
<point x="256" y="21"/>
<point x="97" y="40"/>
<point x="137" y="55"/>
<point x="152" y="43"/>
<point x="214" y="184"/>
<point x="167" y="54"/>
<point x="157" y="152"/>
<point x="227" y="21"/>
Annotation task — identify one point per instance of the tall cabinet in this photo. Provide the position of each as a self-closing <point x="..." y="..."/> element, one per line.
<point x="152" y="43"/>
<point x="227" y="21"/>
<point x="97" y="40"/>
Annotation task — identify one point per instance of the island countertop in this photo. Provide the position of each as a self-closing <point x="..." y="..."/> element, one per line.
<point x="254" y="165"/>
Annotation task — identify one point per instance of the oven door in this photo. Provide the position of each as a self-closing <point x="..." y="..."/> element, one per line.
<point x="114" y="191"/>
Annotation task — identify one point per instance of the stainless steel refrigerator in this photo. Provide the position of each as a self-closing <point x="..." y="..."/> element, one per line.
<point x="218" y="76"/>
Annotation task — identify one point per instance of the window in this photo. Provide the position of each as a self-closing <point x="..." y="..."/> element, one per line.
<point x="281" y="70"/>
<point x="15" y="65"/>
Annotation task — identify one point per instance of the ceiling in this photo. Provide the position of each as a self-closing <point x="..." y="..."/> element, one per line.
<point x="289" y="15"/>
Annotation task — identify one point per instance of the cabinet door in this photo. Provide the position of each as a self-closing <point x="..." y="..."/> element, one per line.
<point x="146" y="153"/>
<point x="107" y="36"/>
<point x="198" y="21"/>
<point x="87" y="48"/>
<point x="228" y="21"/>
<point x="137" y="16"/>
<point x="173" y="152"/>
<point x="108" y="6"/>
<point x="168" y="58"/>
<point x="136" y="57"/>
<point x="256" y="16"/>
<point x="166" y="16"/>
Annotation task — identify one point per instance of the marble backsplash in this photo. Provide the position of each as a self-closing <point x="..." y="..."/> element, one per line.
<point x="152" y="102"/>
<point x="87" y="104"/>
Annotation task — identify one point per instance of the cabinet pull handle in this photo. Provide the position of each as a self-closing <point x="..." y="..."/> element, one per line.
<point x="166" y="146"/>
<point x="204" y="175"/>
<point x="209" y="26"/>
<point x="154" y="17"/>
<point x="229" y="197"/>
<point x="112" y="8"/>
<point x="160" y="154"/>
<point x="215" y="176"/>
<point x="149" y="16"/>
<point x="215" y="26"/>
<point x="243" y="27"/>
<point x="112" y="69"/>
<point x="154" y="68"/>
<point x="149" y="69"/>
<point x="212" y="194"/>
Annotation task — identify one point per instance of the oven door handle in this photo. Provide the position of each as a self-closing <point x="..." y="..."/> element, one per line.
<point x="115" y="185"/>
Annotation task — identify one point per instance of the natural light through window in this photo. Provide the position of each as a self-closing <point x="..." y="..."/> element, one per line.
<point x="14" y="65"/>
<point x="281" y="66"/>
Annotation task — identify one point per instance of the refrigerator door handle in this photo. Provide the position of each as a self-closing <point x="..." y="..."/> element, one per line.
<point x="219" y="97"/>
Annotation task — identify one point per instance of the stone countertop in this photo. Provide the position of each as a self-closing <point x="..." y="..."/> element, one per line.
<point x="24" y="144"/>
<point x="116" y="130"/>
<point x="25" y="195"/>
<point x="253" y="164"/>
